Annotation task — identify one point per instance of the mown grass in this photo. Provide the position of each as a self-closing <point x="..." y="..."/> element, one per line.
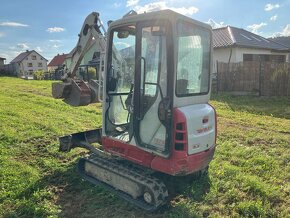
<point x="249" y="176"/>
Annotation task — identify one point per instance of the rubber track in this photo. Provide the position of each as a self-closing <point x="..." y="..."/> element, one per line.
<point x="131" y="172"/>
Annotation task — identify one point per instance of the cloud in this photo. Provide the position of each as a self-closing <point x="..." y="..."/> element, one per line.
<point x="215" y="24"/>
<point x="3" y="55"/>
<point x="55" y="40"/>
<point x="55" y="29"/>
<point x="285" y="32"/>
<point x="38" y="49"/>
<point x="10" y="55"/>
<point x="116" y="5"/>
<point x="255" y="27"/>
<point x="161" y="5"/>
<point x="274" y="18"/>
<point x="13" y="24"/>
<point x="56" y="46"/>
<point x="270" y="7"/>
<point x="185" y="11"/>
<point x="22" y="46"/>
<point x="131" y="3"/>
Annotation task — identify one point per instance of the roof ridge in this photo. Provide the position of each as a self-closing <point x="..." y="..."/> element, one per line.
<point x="27" y="52"/>
<point x="223" y="27"/>
<point x="24" y="54"/>
<point x="231" y="34"/>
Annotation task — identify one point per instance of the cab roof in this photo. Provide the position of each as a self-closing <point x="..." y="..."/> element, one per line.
<point x="156" y="15"/>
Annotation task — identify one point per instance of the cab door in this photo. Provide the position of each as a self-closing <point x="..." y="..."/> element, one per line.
<point x="151" y="100"/>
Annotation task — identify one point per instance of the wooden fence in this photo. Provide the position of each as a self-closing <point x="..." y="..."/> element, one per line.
<point x="264" y="78"/>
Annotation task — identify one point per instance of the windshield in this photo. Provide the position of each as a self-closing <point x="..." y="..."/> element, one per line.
<point x="122" y="66"/>
<point x="120" y="78"/>
<point x="193" y="64"/>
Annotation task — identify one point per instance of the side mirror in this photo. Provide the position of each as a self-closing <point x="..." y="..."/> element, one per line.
<point x="123" y="34"/>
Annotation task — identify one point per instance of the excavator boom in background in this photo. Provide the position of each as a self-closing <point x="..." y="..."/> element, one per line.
<point x="154" y="84"/>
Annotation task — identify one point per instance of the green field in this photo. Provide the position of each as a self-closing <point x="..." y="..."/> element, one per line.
<point x="249" y="176"/>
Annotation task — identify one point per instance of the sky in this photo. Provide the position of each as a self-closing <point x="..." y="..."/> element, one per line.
<point x="52" y="27"/>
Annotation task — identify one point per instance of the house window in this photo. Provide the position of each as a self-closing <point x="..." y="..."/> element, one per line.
<point x="33" y="57"/>
<point x="39" y="64"/>
<point x="29" y="65"/>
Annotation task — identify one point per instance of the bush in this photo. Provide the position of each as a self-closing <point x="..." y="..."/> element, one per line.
<point x="92" y="73"/>
<point x="2" y="72"/>
<point x="38" y="75"/>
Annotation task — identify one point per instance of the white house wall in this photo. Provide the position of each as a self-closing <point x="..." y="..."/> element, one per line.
<point x="52" y="68"/>
<point x="34" y="67"/>
<point x="223" y="54"/>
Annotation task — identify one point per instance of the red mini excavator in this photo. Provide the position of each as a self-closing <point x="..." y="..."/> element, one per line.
<point x="154" y="80"/>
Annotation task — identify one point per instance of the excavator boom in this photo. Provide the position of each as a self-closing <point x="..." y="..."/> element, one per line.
<point x="74" y="91"/>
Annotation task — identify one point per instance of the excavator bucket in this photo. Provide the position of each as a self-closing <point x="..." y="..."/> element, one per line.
<point x="60" y="89"/>
<point x="77" y="92"/>
<point x="80" y="94"/>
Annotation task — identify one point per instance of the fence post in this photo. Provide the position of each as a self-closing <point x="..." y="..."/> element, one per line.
<point x="260" y="78"/>
<point x="217" y="77"/>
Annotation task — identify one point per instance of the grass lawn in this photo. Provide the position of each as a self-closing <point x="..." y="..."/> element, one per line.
<point x="249" y="176"/>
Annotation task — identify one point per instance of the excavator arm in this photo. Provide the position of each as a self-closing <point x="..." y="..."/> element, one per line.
<point x="76" y="92"/>
<point x="90" y="34"/>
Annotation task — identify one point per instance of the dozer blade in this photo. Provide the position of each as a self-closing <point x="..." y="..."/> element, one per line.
<point x="80" y="139"/>
<point x="124" y="179"/>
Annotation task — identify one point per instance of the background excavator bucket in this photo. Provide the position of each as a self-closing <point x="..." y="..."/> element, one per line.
<point x="76" y="93"/>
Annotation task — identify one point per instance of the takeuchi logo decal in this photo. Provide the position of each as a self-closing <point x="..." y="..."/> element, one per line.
<point x="202" y="130"/>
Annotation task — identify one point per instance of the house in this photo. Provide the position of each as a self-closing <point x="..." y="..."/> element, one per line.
<point x="2" y="61"/>
<point x="283" y="40"/>
<point x="28" y="62"/>
<point x="57" y="62"/>
<point x="233" y="45"/>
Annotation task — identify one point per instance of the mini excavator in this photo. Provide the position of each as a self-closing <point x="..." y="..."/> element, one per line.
<point x="154" y="83"/>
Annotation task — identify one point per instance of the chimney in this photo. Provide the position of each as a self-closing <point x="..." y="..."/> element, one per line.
<point x="27" y="51"/>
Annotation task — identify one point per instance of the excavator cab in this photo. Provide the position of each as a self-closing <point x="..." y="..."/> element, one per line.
<point x="156" y="63"/>
<point x="156" y="117"/>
